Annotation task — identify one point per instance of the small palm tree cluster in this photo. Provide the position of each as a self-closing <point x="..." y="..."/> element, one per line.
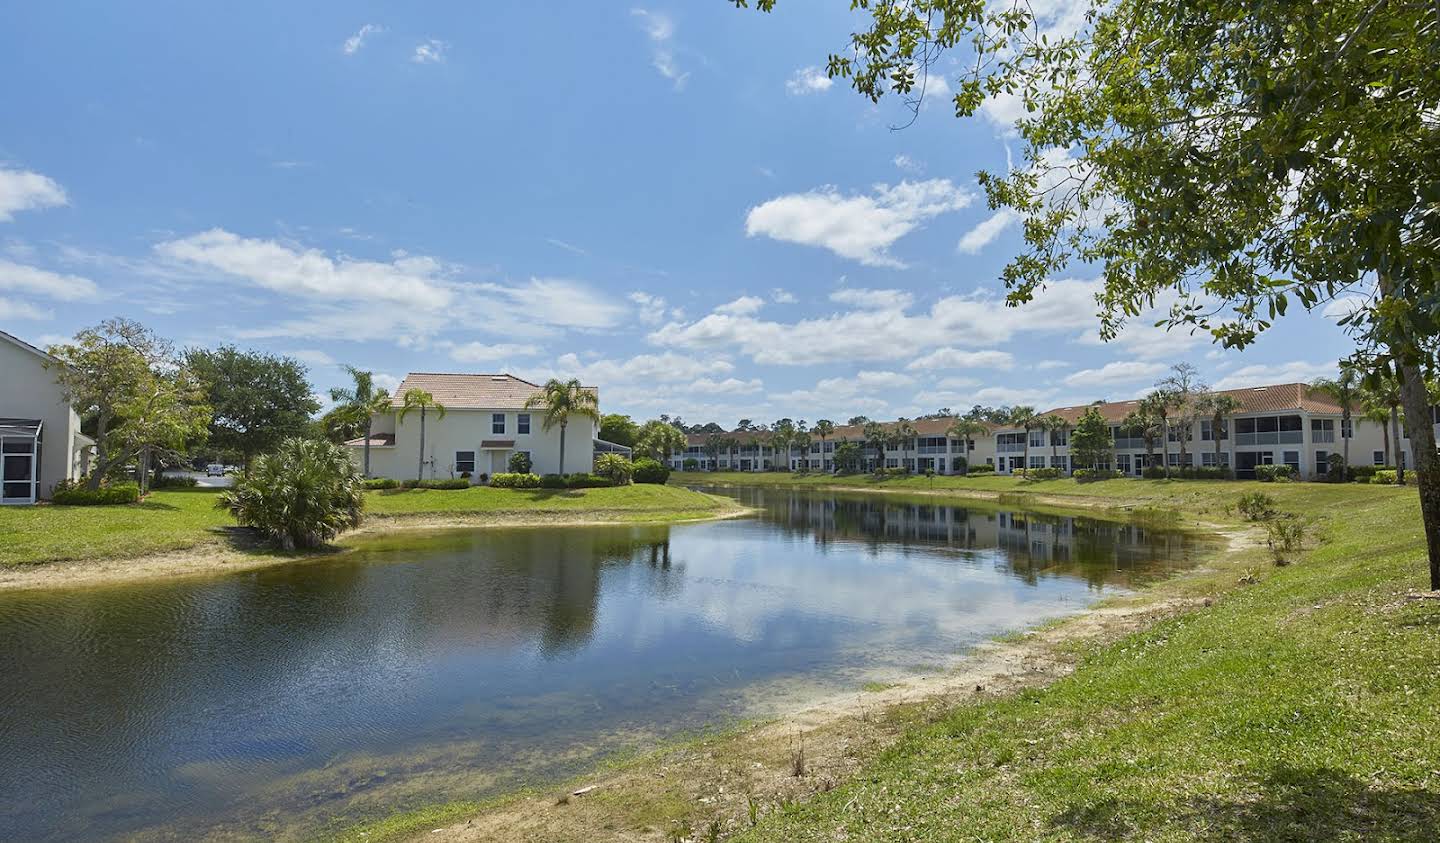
<point x="302" y="495"/>
<point x="617" y="468"/>
<point x="562" y="401"/>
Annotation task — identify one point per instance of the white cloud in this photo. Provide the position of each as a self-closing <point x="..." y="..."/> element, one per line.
<point x="642" y="369"/>
<point x="28" y="279"/>
<point x="808" y="80"/>
<point x="954" y="358"/>
<point x="1345" y="306"/>
<point x="957" y="383"/>
<point x="355" y="42"/>
<point x="889" y="331"/>
<point x="1046" y="365"/>
<point x="1266" y="374"/>
<point x="729" y="386"/>
<point x="479" y="352"/>
<point x="984" y="233"/>
<point x="1039" y="398"/>
<point x="1119" y="372"/>
<point x="908" y="164"/>
<point x="743" y="306"/>
<point x="651" y="308"/>
<point x="389" y="383"/>
<point x="11" y="309"/>
<point x="23" y="190"/>
<point x="1142" y="338"/>
<point x="873" y="299"/>
<point x="430" y="52"/>
<point x="313" y="357"/>
<point x="858" y="227"/>
<point x="846" y="390"/>
<point x="782" y="296"/>
<point x="660" y="29"/>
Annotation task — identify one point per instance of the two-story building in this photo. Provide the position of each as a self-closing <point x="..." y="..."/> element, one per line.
<point x="40" y="439"/>
<point x="486" y="421"/>
<point x="928" y="449"/>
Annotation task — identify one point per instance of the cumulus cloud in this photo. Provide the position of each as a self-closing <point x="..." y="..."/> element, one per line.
<point x="23" y="190"/>
<point x="642" y="369"/>
<point x="34" y="281"/>
<point x="782" y="296"/>
<point x="728" y="386"/>
<point x="808" y="80"/>
<point x="827" y="391"/>
<point x="984" y="233"/>
<point x="954" y="358"/>
<point x="1119" y="372"/>
<point x="743" y="306"/>
<point x="12" y="309"/>
<point x="873" y="299"/>
<point x="479" y="352"/>
<point x="1345" y="306"/>
<point x="907" y="163"/>
<point x="430" y="52"/>
<point x="1265" y="374"/>
<point x="859" y="227"/>
<point x="355" y="42"/>
<point x="660" y="29"/>
<point x="651" y="308"/>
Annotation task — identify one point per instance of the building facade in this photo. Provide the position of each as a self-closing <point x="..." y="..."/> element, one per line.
<point x="929" y="449"/>
<point x="40" y="439"/>
<point x="485" y="423"/>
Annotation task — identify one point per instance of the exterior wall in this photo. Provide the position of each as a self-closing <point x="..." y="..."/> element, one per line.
<point x="465" y="430"/>
<point x="28" y="391"/>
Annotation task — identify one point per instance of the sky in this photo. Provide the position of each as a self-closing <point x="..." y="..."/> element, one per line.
<point x="670" y="202"/>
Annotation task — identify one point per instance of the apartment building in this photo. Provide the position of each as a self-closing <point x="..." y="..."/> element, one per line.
<point x="930" y="449"/>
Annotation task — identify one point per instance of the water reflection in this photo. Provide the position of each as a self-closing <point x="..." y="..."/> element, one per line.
<point x="450" y="664"/>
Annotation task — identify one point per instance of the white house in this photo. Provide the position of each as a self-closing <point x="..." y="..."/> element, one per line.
<point x="40" y="439"/>
<point x="485" y="422"/>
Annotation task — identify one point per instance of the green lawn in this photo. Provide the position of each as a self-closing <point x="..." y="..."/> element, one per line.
<point x="172" y="520"/>
<point x="1302" y="707"/>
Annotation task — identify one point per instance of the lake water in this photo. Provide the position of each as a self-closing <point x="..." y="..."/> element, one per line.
<point x="455" y="664"/>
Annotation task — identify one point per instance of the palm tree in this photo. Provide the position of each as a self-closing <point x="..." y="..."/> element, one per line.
<point x="1221" y="406"/>
<point x="419" y="399"/>
<point x="1053" y="424"/>
<point x="562" y="401"/>
<point x="1024" y="417"/>
<point x="1144" y="420"/>
<point x="1157" y="406"/>
<point x="966" y="430"/>
<point x="362" y="402"/>
<point x="1383" y="396"/>
<point x="876" y="437"/>
<point x="904" y="434"/>
<point x="823" y="430"/>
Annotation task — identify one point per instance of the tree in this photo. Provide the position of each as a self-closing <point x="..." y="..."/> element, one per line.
<point x="659" y="439"/>
<point x="359" y="405"/>
<point x="419" y="399"/>
<point x="966" y="430"/>
<point x="1383" y="397"/>
<point x="127" y="383"/>
<point x="847" y="457"/>
<point x="877" y="437"/>
<point x="1233" y="158"/>
<point x="1090" y="440"/>
<point x="301" y="496"/>
<point x="782" y="436"/>
<point x="801" y="442"/>
<point x="615" y="467"/>
<point x="858" y="421"/>
<point x="1184" y="390"/>
<point x="1157" y="406"/>
<point x="1145" y="419"/>
<point x="1053" y="425"/>
<point x="519" y="463"/>
<point x="1024" y="418"/>
<point x="903" y="434"/>
<point x="823" y="430"/>
<point x="563" y="400"/>
<point x="713" y="443"/>
<point x="1220" y="407"/>
<point x="620" y="429"/>
<point x="1345" y="389"/>
<point x="259" y="399"/>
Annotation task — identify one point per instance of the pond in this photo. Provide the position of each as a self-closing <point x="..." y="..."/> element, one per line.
<point x="427" y="666"/>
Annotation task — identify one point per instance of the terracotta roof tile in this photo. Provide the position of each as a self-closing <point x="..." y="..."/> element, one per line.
<point x="470" y="391"/>
<point x="1258" y="399"/>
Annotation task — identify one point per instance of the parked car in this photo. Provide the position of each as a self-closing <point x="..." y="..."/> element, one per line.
<point x="214" y="469"/>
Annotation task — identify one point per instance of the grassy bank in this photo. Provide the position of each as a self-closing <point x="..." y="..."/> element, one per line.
<point x="177" y="520"/>
<point x="1243" y="700"/>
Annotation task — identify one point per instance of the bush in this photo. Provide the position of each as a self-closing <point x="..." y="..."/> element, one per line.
<point x="552" y="481"/>
<point x="1256" y="506"/>
<point x="1093" y="475"/>
<point x="302" y="495"/>
<point x="980" y="468"/>
<point x="117" y="494"/>
<point x="1365" y="473"/>
<point x="898" y="471"/>
<point x="1153" y="472"/>
<point x="1284" y="535"/>
<point x="1038" y="473"/>
<point x="617" y="468"/>
<point x="1272" y="473"/>
<point x="174" y="481"/>
<point x="1188" y="472"/>
<point x="651" y="471"/>
<point x="582" y="480"/>
<point x="382" y="483"/>
<point x="449" y="484"/>
<point x="691" y="464"/>
<point x="519" y="464"/>
<point x="1385" y="477"/>
<point x="516" y="480"/>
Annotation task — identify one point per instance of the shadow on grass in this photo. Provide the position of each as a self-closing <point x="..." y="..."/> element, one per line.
<point x="250" y="541"/>
<point x="1289" y="803"/>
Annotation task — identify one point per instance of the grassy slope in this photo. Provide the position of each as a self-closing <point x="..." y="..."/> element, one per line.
<point x="172" y="520"/>
<point x="1306" y="706"/>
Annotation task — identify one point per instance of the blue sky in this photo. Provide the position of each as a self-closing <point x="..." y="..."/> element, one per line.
<point x="668" y="201"/>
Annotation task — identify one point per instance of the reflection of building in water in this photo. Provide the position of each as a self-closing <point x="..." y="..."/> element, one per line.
<point x="1097" y="550"/>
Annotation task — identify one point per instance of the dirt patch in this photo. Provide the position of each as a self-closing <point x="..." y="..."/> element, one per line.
<point x="239" y="552"/>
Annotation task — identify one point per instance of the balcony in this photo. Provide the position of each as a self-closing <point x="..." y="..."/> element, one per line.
<point x="1010" y="448"/>
<point x="1283" y="437"/>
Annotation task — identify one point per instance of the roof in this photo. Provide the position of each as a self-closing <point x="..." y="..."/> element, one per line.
<point x="854" y="432"/>
<point x="377" y="440"/>
<point x="20" y="427"/>
<point x="1253" y="399"/>
<point x="456" y="391"/>
<point x="27" y="346"/>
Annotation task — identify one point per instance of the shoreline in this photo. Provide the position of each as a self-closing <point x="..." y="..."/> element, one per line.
<point x="217" y="557"/>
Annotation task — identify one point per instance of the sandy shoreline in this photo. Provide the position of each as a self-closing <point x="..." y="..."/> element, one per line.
<point x="219" y="556"/>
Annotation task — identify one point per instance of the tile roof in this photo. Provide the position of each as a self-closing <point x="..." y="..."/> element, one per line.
<point x="853" y="432"/>
<point x="1257" y="399"/>
<point x="470" y="391"/>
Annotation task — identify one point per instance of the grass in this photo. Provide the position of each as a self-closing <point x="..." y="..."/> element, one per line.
<point x="179" y="519"/>
<point x="1305" y="706"/>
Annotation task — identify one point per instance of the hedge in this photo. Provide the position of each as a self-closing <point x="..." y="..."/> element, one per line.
<point x="382" y="483"/>
<point x="1188" y="472"/>
<point x="174" y="481"/>
<point x="651" y="471"/>
<point x="1273" y="473"/>
<point x="1090" y="475"/>
<point x="115" y="495"/>
<point x="515" y="480"/>
<point x="1386" y="477"/>
<point x="980" y="468"/>
<point x="1038" y="473"/>
<point x="450" y="484"/>
<point x="575" y="481"/>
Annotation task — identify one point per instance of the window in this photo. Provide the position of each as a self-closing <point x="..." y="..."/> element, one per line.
<point x="1037" y="438"/>
<point x="1207" y="433"/>
<point x="1037" y="462"/>
<point x="1059" y="437"/>
<point x="497" y="422"/>
<point x="1322" y="460"/>
<point x="1207" y="458"/>
<point x="522" y="423"/>
<point x="465" y="462"/>
<point x="1292" y="459"/>
<point x="1378" y="457"/>
<point x="1322" y="430"/>
<point x="1057" y="462"/>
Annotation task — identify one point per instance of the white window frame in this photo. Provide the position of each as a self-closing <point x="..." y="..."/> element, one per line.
<point x="522" y="424"/>
<point x="497" y="424"/>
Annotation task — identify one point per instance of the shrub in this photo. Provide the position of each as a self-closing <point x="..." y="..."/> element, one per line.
<point x="960" y="466"/>
<point x="1272" y="473"/>
<point x="519" y="463"/>
<point x="582" y="480"/>
<point x="617" y="468"/>
<point x="516" y="480"/>
<point x="1038" y="473"/>
<point x="1092" y="475"/>
<point x="1385" y="477"/>
<point x="552" y="481"/>
<point x="382" y="483"/>
<point x="980" y="468"/>
<point x="1153" y="472"/>
<point x="691" y="464"/>
<point x="1256" y="506"/>
<point x="1284" y="535"/>
<point x="174" y="481"/>
<point x="650" y="471"/>
<point x="1365" y="473"/>
<point x="117" y="494"/>
<point x="898" y="471"/>
<point x="1188" y="472"/>
<point x="302" y="495"/>
<point x="449" y="484"/>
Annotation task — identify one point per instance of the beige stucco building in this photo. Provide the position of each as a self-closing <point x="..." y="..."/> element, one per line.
<point x="40" y="439"/>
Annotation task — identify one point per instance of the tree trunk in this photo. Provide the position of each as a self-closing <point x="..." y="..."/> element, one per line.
<point x="1165" y="449"/>
<point x="562" y="448"/>
<point x="1385" y="432"/>
<point x="1427" y="461"/>
<point x="102" y="452"/>
<point x="367" y="447"/>
<point x="1395" y="437"/>
<point x="1346" y="423"/>
<point x="420" y="466"/>
<point x="1215" y="430"/>
<point x="144" y="469"/>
